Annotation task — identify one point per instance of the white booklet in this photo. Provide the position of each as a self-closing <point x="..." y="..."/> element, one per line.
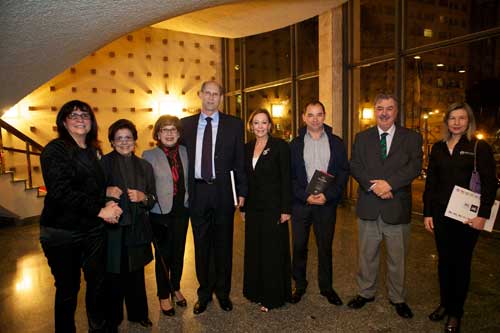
<point x="464" y="205"/>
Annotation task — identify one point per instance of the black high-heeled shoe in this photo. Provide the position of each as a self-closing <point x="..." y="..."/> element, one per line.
<point x="438" y="314"/>
<point x="170" y="312"/>
<point x="182" y="302"/>
<point x="452" y="325"/>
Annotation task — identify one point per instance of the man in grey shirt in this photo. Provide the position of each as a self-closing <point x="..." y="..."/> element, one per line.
<point x="316" y="148"/>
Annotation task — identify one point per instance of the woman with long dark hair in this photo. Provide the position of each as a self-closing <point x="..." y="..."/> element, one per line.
<point x="71" y="224"/>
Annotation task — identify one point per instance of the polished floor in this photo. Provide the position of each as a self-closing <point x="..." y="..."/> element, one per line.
<point x="26" y="290"/>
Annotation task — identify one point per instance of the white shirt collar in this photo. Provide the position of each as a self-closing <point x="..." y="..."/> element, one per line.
<point x="390" y="131"/>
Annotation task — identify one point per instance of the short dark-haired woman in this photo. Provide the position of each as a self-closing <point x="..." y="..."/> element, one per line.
<point x="130" y="182"/>
<point x="451" y="163"/>
<point x="71" y="224"/>
<point x="169" y="217"/>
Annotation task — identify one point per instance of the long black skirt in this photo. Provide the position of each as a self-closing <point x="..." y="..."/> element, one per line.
<point x="267" y="272"/>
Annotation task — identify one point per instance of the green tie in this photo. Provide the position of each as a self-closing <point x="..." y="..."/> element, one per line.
<point x="383" y="144"/>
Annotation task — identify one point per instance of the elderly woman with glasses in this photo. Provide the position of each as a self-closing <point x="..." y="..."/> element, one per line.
<point x="169" y="216"/>
<point x="131" y="184"/>
<point x="71" y="225"/>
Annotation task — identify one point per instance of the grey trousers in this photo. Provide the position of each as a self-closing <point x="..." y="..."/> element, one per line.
<point x="396" y="237"/>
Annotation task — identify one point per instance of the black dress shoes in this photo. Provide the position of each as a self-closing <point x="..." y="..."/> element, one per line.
<point x="403" y="310"/>
<point x="297" y="295"/>
<point x="226" y="304"/>
<point x="332" y="297"/>
<point x="359" y="301"/>
<point x="452" y="325"/>
<point x="438" y="314"/>
<point x="199" y="307"/>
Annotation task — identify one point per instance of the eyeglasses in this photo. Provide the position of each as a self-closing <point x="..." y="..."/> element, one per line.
<point x="165" y="130"/>
<point x="82" y="116"/>
<point x="123" y="139"/>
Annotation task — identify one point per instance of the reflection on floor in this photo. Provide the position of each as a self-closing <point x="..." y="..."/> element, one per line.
<point x="26" y="291"/>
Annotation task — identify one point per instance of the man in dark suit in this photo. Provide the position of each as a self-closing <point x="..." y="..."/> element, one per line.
<point x="385" y="160"/>
<point x="316" y="148"/>
<point x="215" y="147"/>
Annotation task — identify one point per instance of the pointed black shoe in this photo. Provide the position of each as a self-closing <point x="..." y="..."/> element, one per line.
<point x="226" y="304"/>
<point x="438" y="314"/>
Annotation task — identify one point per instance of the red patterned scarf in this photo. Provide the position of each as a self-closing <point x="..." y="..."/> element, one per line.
<point x="172" y="154"/>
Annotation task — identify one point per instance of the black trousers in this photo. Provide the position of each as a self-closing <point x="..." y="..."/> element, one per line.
<point x="66" y="261"/>
<point x="169" y="232"/>
<point x="213" y="241"/>
<point x="128" y="286"/>
<point x="322" y="218"/>
<point x="455" y="244"/>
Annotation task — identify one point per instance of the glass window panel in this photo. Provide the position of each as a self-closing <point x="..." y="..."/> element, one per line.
<point x="445" y="76"/>
<point x="376" y="27"/>
<point x="307" y="46"/>
<point x="233" y="64"/>
<point x="277" y="101"/>
<point x="234" y="106"/>
<point x="308" y="91"/>
<point x="267" y="57"/>
<point x="373" y="80"/>
<point x="431" y="21"/>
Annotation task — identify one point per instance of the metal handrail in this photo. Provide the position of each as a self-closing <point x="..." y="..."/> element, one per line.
<point x="32" y="148"/>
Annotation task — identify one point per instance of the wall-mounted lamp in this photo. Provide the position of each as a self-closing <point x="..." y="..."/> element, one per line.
<point x="277" y="110"/>
<point x="480" y="136"/>
<point x="13" y="112"/>
<point x="170" y="105"/>
<point x="367" y="113"/>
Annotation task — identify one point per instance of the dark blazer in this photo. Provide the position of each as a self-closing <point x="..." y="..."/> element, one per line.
<point x="401" y="166"/>
<point x="269" y="185"/>
<point x="445" y="171"/>
<point x="163" y="178"/>
<point x="76" y="188"/>
<point x="228" y="155"/>
<point x="337" y="166"/>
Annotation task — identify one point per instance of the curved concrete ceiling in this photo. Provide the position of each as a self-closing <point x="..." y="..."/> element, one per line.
<point x="40" y="39"/>
<point x="248" y="17"/>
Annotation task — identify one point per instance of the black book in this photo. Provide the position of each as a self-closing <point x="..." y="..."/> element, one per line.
<point x="319" y="182"/>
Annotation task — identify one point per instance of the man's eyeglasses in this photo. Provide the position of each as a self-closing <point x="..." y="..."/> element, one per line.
<point x="165" y="130"/>
<point x="82" y="116"/>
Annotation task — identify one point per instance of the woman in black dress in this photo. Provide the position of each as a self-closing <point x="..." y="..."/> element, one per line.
<point x="71" y="225"/>
<point x="131" y="184"/>
<point x="451" y="163"/>
<point x="267" y="275"/>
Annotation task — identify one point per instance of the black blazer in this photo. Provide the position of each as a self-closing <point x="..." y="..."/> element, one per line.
<point x="269" y="185"/>
<point x="445" y="171"/>
<point x="75" y="184"/>
<point x="402" y="165"/>
<point x="228" y="155"/>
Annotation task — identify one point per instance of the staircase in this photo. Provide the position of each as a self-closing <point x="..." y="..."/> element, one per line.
<point x="17" y="200"/>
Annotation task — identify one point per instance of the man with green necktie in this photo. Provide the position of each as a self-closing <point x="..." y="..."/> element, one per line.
<point x="385" y="160"/>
